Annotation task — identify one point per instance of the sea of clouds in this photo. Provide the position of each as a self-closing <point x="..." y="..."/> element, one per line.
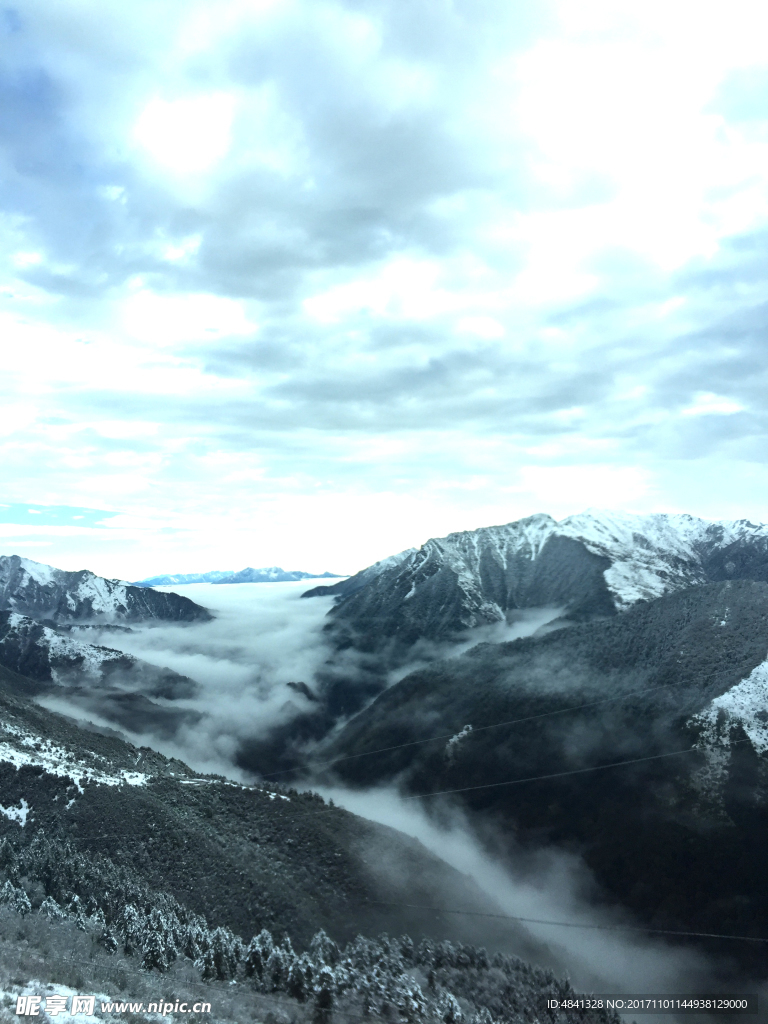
<point x="263" y="637"/>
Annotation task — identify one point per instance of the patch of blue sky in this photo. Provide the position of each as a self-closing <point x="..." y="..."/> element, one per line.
<point x="54" y="515"/>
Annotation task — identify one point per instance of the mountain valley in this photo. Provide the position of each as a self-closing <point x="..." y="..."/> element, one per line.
<point x="677" y="688"/>
<point x="595" y="688"/>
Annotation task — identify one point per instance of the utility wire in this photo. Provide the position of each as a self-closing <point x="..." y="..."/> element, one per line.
<point x="481" y="728"/>
<point x="552" y="775"/>
<point x="570" y="924"/>
<point x="445" y="792"/>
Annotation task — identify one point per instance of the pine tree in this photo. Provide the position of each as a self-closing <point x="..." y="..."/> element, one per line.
<point x="50" y="908"/>
<point x="407" y="949"/>
<point x="276" y="970"/>
<point x="155" y="955"/>
<point x="410" y="1001"/>
<point x="448" y="1009"/>
<point x="193" y="940"/>
<point x="131" y="926"/>
<point x="299" y="981"/>
<point x="324" y="989"/>
<point x="256" y="956"/>
<point x="221" y="957"/>
<point x="108" y="941"/>
<point x="15" y="898"/>
<point x="324" y="950"/>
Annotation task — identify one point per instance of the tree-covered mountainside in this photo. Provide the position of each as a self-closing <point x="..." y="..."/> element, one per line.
<point x="146" y="932"/>
<point x="165" y="865"/>
<point x="677" y="687"/>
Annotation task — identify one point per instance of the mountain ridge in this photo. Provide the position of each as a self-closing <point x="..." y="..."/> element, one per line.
<point x="44" y="592"/>
<point x="594" y="564"/>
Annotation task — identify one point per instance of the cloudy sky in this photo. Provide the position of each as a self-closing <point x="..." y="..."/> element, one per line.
<point x="305" y="282"/>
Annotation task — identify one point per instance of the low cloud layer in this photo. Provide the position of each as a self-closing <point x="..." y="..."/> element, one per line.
<point x="548" y="885"/>
<point x="262" y="638"/>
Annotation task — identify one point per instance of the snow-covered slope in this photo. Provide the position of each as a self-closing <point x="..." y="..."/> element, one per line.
<point x="595" y="563"/>
<point x="53" y="656"/>
<point x="361" y="579"/>
<point x="20" y="747"/>
<point x="43" y="592"/>
<point x="43" y="654"/>
<point x="733" y="726"/>
<point x="652" y="555"/>
<point x="740" y="712"/>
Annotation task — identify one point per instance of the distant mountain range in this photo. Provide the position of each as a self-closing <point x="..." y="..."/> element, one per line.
<point x="272" y="574"/>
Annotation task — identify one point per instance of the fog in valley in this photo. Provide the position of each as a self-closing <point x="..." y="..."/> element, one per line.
<point x="548" y="885"/>
<point x="263" y="638"/>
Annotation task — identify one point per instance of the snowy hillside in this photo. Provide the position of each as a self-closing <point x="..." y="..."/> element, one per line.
<point x="95" y="680"/>
<point x="43" y="654"/>
<point x="595" y="563"/>
<point x="43" y="592"/>
<point x="362" y="578"/>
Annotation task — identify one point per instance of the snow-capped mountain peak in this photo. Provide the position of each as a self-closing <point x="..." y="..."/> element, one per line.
<point x="594" y="563"/>
<point x="44" y="592"/>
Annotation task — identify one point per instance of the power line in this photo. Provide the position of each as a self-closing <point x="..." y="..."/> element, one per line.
<point x="481" y="728"/>
<point x="445" y="792"/>
<point x="571" y="924"/>
<point x="552" y="775"/>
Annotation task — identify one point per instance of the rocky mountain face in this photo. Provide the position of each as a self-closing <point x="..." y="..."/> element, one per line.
<point x="47" y="618"/>
<point x="590" y="565"/>
<point x="49" y="594"/>
<point x="530" y="735"/>
<point x="273" y="574"/>
<point x="93" y="679"/>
